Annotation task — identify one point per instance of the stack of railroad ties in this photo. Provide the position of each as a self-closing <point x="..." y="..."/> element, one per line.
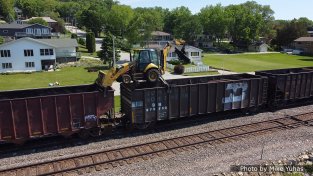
<point x="89" y="109"/>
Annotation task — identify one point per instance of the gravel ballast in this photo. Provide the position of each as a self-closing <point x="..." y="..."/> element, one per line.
<point x="213" y="159"/>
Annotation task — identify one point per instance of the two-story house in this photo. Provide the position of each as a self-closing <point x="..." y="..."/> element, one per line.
<point x="305" y="44"/>
<point x="51" y="22"/>
<point x="28" y="54"/>
<point x="16" y="30"/>
<point x="204" y="41"/>
<point x="158" y="39"/>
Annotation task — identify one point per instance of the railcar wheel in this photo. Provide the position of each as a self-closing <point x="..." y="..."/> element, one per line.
<point x="94" y="132"/>
<point x="83" y="134"/>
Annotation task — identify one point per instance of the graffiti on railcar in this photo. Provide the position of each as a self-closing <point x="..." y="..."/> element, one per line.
<point x="236" y="92"/>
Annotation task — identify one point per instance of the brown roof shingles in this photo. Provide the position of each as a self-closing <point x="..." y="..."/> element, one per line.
<point x="304" y="39"/>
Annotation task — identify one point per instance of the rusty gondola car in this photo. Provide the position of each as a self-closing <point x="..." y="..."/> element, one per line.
<point x="288" y="86"/>
<point x="26" y="114"/>
<point x="192" y="96"/>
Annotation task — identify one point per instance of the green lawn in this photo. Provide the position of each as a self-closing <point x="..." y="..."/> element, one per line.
<point x="201" y="73"/>
<point x="84" y="52"/>
<point x="253" y="62"/>
<point x="117" y="103"/>
<point x="67" y="76"/>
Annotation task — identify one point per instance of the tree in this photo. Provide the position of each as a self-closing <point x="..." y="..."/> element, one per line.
<point x="247" y="20"/>
<point x="38" y="21"/>
<point x="33" y="8"/>
<point x="214" y="21"/>
<point x="119" y="18"/>
<point x="106" y="53"/>
<point x="93" y="19"/>
<point x="182" y="24"/>
<point x="6" y="9"/>
<point x="144" y="22"/>
<point x="90" y="42"/>
<point x="288" y="31"/>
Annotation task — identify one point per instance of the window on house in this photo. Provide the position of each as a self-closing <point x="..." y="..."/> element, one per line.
<point x="29" y="31"/>
<point x="28" y="53"/>
<point x="171" y="54"/>
<point x="46" y="52"/>
<point x="5" y="31"/>
<point x="29" y="64"/>
<point x="5" y="53"/>
<point x="45" y="31"/>
<point x="6" y="65"/>
<point x="194" y="53"/>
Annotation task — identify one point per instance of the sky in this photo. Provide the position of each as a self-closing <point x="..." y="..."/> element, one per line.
<point x="284" y="9"/>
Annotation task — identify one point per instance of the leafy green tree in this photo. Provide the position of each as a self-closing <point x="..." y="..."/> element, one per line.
<point x="247" y="21"/>
<point x="90" y="42"/>
<point x="6" y="9"/>
<point x="106" y="53"/>
<point x="214" y="21"/>
<point x="94" y="19"/>
<point x="145" y="21"/>
<point x="119" y="18"/>
<point x="182" y="24"/>
<point x="38" y="21"/>
<point x="288" y="31"/>
<point x="33" y="8"/>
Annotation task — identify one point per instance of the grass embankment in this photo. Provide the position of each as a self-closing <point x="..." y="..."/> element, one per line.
<point x="253" y="62"/>
<point x="84" y="52"/>
<point x="69" y="74"/>
<point x="201" y="73"/>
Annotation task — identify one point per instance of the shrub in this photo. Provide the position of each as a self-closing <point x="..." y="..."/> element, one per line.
<point x="90" y="42"/>
<point x="174" y="62"/>
<point x="74" y="36"/>
<point x="179" y="69"/>
<point x="81" y="41"/>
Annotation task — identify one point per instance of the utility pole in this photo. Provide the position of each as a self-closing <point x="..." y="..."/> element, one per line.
<point x="113" y="51"/>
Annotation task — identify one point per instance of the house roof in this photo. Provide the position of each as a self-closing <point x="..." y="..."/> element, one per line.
<point x="15" y="25"/>
<point x="160" y="33"/>
<point x="47" y="19"/>
<point x="304" y="39"/>
<point x="60" y="43"/>
<point x="258" y="44"/>
<point x="56" y="43"/>
<point x="187" y="48"/>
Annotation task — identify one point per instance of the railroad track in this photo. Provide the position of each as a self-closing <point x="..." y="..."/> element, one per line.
<point x="107" y="159"/>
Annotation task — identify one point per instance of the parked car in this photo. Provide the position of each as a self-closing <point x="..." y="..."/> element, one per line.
<point x="297" y="52"/>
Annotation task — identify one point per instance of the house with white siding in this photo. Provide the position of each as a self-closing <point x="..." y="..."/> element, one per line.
<point x="28" y="54"/>
<point x="193" y="53"/>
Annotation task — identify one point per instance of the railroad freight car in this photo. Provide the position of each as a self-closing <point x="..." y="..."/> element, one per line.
<point x="26" y="114"/>
<point x="288" y="85"/>
<point x="192" y="96"/>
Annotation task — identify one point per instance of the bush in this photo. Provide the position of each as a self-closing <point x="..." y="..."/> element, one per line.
<point x="74" y="36"/>
<point x="179" y="69"/>
<point x="81" y="41"/>
<point x="90" y="42"/>
<point x="174" y="62"/>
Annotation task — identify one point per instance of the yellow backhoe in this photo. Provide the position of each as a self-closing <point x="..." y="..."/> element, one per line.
<point x="146" y="64"/>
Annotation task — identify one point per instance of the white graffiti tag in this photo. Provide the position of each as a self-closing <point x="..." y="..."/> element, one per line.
<point x="237" y="92"/>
